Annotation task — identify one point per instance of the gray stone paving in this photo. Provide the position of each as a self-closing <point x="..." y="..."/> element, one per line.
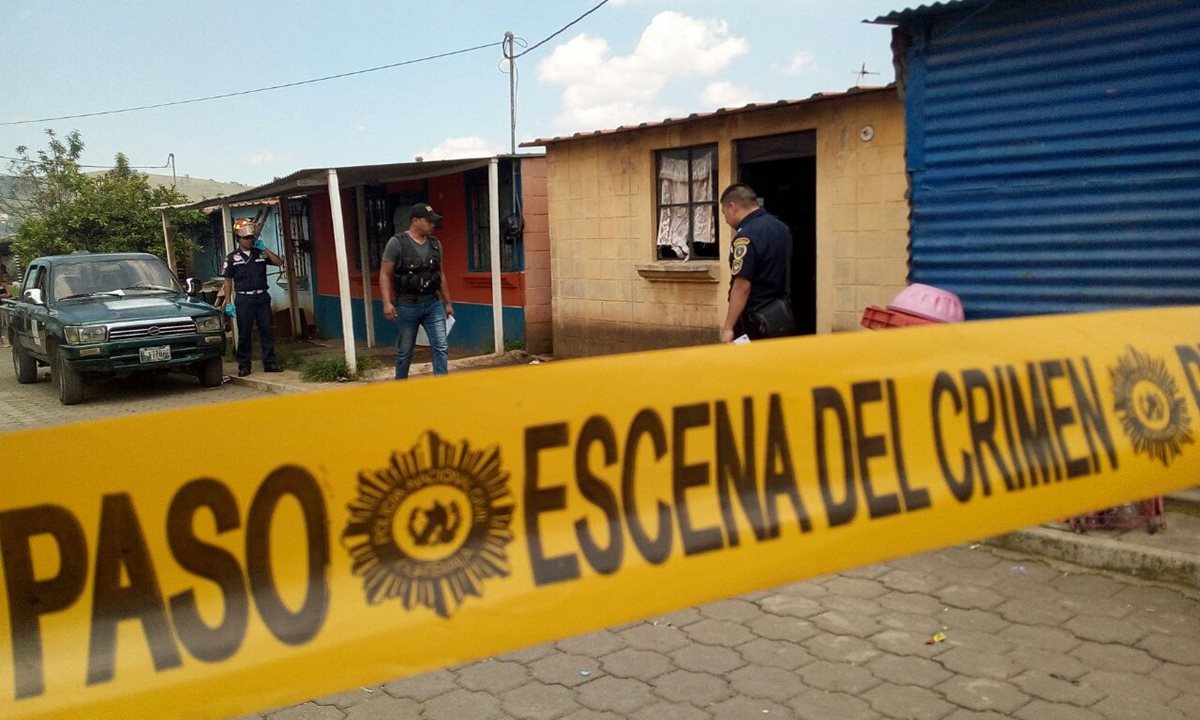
<point x="1024" y="639"/>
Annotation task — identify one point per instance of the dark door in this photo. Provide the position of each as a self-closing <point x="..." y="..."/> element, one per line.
<point x="782" y="169"/>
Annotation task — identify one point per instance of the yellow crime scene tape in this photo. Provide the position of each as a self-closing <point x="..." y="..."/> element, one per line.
<point x="325" y="541"/>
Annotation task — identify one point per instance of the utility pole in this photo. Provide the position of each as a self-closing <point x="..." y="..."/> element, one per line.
<point x="510" y="41"/>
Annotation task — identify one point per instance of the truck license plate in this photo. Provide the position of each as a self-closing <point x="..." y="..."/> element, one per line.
<point x="154" y="354"/>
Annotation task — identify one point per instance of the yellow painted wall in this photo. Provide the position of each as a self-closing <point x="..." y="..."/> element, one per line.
<point x="602" y="225"/>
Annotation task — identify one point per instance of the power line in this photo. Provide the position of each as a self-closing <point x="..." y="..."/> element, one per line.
<point x="298" y="83"/>
<point x="257" y="90"/>
<point x="561" y="30"/>
<point x="165" y="165"/>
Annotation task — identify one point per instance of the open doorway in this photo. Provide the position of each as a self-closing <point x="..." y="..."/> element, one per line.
<point x="297" y="243"/>
<point x="782" y="169"/>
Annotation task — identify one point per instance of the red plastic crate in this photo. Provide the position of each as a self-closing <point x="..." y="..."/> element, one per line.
<point x="875" y="317"/>
<point x="1149" y="513"/>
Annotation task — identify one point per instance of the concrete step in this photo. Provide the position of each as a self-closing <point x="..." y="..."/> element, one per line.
<point x="1171" y="555"/>
<point x="1184" y="501"/>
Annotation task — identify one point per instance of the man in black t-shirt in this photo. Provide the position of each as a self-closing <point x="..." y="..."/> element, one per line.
<point x="413" y="285"/>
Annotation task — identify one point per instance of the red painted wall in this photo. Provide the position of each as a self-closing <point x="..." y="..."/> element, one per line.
<point x="448" y="196"/>
<point x="325" y="255"/>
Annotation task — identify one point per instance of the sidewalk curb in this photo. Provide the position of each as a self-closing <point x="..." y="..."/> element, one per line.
<point x="289" y="383"/>
<point x="268" y="386"/>
<point x="1105" y="554"/>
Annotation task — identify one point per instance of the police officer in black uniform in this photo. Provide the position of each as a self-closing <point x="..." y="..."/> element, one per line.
<point x="246" y="276"/>
<point x="758" y="260"/>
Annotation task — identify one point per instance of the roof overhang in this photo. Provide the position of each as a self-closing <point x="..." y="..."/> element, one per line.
<point x="722" y="112"/>
<point x="314" y="180"/>
<point x="899" y="17"/>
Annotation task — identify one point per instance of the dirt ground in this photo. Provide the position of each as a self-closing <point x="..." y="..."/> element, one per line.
<point x="295" y="353"/>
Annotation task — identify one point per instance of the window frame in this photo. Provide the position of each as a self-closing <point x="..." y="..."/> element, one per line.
<point x="33" y="278"/>
<point x="392" y="221"/>
<point x="376" y="223"/>
<point x="664" y="253"/>
<point x="297" y="231"/>
<point x="512" y="241"/>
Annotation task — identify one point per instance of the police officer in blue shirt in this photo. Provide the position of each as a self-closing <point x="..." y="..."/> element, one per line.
<point x="246" y="275"/>
<point x="758" y="260"/>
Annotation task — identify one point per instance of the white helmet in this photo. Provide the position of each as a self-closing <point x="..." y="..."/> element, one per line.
<point x="244" y="227"/>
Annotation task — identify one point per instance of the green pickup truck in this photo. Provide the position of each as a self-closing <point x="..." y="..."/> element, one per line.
<point x="87" y="315"/>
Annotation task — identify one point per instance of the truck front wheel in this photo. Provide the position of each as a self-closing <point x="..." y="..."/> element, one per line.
<point x="23" y="365"/>
<point x="70" y="382"/>
<point x="210" y="372"/>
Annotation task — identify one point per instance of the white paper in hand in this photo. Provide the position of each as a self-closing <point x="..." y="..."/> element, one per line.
<point x="742" y="340"/>
<point x="423" y="339"/>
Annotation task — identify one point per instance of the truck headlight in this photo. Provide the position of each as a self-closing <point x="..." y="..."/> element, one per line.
<point x="80" y="334"/>
<point x="208" y="324"/>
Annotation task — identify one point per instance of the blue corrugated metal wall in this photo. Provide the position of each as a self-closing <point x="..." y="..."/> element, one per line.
<point x="1054" y="149"/>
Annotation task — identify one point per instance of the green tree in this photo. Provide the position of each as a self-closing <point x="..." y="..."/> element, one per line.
<point x="46" y="181"/>
<point x="61" y="209"/>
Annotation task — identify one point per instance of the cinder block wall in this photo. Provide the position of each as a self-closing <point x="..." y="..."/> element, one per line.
<point x="862" y="210"/>
<point x="611" y="295"/>
<point x="538" y="327"/>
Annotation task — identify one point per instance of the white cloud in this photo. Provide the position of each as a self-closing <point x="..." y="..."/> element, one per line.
<point x="802" y="62"/>
<point x="721" y="94"/>
<point x="601" y="90"/>
<point x="461" y="147"/>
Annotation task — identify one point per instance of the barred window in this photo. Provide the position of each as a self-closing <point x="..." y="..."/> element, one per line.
<point x="479" y="248"/>
<point x="687" y="203"/>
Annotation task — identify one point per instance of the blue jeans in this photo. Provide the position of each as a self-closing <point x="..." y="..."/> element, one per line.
<point x="410" y="316"/>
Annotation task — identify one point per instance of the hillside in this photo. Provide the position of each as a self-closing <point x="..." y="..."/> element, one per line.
<point x="198" y="188"/>
<point x="193" y="188"/>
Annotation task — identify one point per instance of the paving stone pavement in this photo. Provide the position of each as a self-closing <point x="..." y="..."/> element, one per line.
<point x="1025" y="638"/>
<point x="36" y="405"/>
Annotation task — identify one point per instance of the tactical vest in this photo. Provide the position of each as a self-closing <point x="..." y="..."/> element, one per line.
<point x="412" y="276"/>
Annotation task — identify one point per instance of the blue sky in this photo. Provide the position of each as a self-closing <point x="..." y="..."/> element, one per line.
<point x="630" y="61"/>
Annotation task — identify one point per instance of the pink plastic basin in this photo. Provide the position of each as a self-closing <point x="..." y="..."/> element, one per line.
<point x="929" y="302"/>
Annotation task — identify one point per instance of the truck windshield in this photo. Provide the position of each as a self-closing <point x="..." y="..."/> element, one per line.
<point x="113" y="277"/>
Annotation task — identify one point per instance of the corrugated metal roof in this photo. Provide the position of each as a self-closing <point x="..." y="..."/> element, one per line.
<point x="898" y="16"/>
<point x="694" y="117"/>
<point x="309" y="180"/>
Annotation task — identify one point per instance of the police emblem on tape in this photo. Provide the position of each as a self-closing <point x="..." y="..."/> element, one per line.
<point x="1152" y="410"/>
<point x="431" y="526"/>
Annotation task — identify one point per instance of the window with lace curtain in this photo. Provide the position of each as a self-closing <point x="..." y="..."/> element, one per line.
<point x="687" y="203"/>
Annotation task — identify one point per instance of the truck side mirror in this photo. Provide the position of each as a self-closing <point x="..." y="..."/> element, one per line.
<point x="34" y="295"/>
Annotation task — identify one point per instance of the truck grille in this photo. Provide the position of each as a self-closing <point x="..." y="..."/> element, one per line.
<point x="151" y="329"/>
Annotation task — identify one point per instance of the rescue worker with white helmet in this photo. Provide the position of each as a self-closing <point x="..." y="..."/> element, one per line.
<point x="246" y="283"/>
